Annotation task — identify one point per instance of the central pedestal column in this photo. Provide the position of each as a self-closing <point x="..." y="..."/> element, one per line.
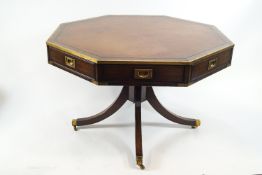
<point x="136" y="94"/>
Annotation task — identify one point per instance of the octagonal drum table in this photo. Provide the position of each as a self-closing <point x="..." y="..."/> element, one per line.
<point x="138" y="52"/>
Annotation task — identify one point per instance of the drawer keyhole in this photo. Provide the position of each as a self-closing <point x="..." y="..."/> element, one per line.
<point x="143" y="73"/>
<point x="70" y="62"/>
<point x="212" y="64"/>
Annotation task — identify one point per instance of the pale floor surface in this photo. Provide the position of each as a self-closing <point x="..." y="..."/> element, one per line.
<point x="38" y="101"/>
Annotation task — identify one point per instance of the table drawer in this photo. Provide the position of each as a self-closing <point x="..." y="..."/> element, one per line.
<point x="140" y="74"/>
<point x="211" y="65"/>
<point x="73" y="64"/>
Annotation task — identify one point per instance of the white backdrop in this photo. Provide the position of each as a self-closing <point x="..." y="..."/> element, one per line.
<point x="38" y="101"/>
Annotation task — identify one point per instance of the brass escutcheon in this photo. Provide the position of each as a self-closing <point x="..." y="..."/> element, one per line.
<point x="70" y="62"/>
<point x="212" y="64"/>
<point x="143" y="73"/>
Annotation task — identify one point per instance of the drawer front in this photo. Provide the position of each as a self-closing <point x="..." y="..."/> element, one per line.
<point x="211" y="65"/>
<point x="71" y="63"/>
<point x="117" y="74"/>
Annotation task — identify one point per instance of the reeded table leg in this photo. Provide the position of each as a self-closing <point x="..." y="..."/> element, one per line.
<point x="138" y="133"/>
<point x="152" y="99"/>
<point x="122" y="98"/>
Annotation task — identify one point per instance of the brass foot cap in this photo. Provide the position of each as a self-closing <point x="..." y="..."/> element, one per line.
<point x="197" y="124"/>
<point x="139" y="162"/>
<point x="74" y="124"/>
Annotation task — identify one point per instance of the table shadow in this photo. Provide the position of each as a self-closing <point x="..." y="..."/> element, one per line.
<point x="2" y="99"/>
<point x="122" y="147"/>
<point x="124" y="125"/>
<point x="156" y="154"/>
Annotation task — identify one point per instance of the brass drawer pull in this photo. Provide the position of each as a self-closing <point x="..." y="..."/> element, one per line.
<point x="143" y="73"/>
<point x="70" y="62"/>
<point x="212" y="64"/>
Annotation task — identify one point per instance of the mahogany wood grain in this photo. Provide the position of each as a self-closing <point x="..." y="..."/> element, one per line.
<point x="138" y="129"/>
<point x="152" y="99"/>
<point x="108" y="50"/>
<point x="120" y="38"/>
<point x="138" y="52"/>
<point x="122" y="98"/>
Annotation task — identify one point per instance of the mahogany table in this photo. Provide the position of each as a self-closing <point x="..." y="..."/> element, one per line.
<point x="138" y="52"/>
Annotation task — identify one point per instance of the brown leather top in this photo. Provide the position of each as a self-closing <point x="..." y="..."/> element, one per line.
<point x="139" y="39"/>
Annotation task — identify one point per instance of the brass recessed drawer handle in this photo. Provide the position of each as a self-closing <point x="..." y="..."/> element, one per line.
<point x="143" y="73"/>
<point x="212" y="64"/>
<point x="70" y="62"/>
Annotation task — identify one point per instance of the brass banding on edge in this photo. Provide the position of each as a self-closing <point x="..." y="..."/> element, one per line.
<point x="75" y="53"/>
<point x="134" y="61"/>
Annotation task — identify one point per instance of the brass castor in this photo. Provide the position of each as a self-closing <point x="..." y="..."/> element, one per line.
<point x="197" y="124"/>
<point x="74" y="124"/>
<point x="139" y="162"/>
